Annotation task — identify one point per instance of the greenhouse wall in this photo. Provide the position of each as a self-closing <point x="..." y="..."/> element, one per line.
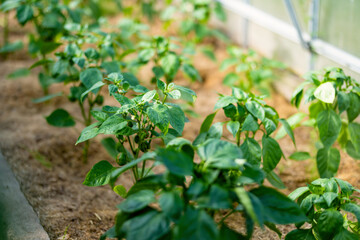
<point x="266" y="26"/>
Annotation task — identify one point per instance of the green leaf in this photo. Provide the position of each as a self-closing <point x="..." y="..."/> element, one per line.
<point x="175" y="94"/>
<point x="329" y="125"/>
<point x="60" y="118"/>
<point x="270" y="126"/>
<point x="21" y="72"/>
<point x="228" y="233"/>
<point x="329" y="224"/>
<point x="205" y="126"/>
<point x="146" y="54"/>
<point x="275" y="180"/>
<point x="177" y="118"/>
<point x="99" y="115"/>
<point x="325" y="92"/>
<point x="343" y="101"/>
<point x="233" y="127"/>
<point x="191" y="72"/>
<point x="220" y="154"/>
<point x="90" y="76"/>
<point x="293" y="121"/>
<point x="354" y="130"/>
<point x="271" y="153"/>
<point x="171" y="64"/>
<point x="231" y="79"/>
<point x="88" y="133"/>
<point x="120" y="190"/>
<point x="329" y="197"/>
<point x="9" y="5"/>
<point x="12" y="47"/>
<point x="224" y="101"/>
<point x="252" y="151"/>
<point x="171" y="204"/>
<point x="196" y="224"/>
<point x="354" y="108"/>
<point x="94" y="88"/>
<point x="110" y="146"/>
<point x="47" y="97"/>
<point x="350" y="149"/>
<point x="99" y="175"/>
<point x="161" y="85"/>
<point x="255" y="109"/>
<point x="328" y="160"/>
<point x="186" y="93"/>
<point x="137" y="201"/>
<point x="147" y="97"/>
<point x="150" y="225"/>
<point x="112" y="125"/>
<point x="277" y="208"/>
<point x="24" y="13"/>
<point x="158" y="114"/>
<point x="218" y="198"/>
<point x="298" y="193"/>
<point x="300" y="234"/>
<point x="288" y="129"/>
<point x="250" y="124"/>
<point x="345" y="235"/>
<point x="352" y="208"/>
<point x="246" y="202"/>
<point x="176" y="162"/>
<point x="300" y="156"/>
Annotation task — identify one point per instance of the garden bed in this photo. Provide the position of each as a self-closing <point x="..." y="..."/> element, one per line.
<point x="53" y="185"/>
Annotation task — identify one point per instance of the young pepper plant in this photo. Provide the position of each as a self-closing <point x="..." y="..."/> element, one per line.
<point x="326" y="203"/>
<point x="137" y="122"/>
<point x="160" y="52"/>
<point x="249" y="116"/>
<point x="334" y="108"/>
<point x="167" y="206"/>
<point x="251" y="70"/>
<point x="194" y="23"/>
<point x="84" y="71"/>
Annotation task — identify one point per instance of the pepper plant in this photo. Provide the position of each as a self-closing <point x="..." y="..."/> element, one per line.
<point x="222" y="183"/>
<point x="251" y="70"/>
<point x="249" y="116"/>
<point x="327" y="203"/>
<point x="138" y="121"/>
<point x="161" y="52"/>
<point x="83" y="68"/>
<point x="334" y="108"/>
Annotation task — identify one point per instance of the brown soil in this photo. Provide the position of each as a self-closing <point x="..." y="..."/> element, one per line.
<point x="69" y="210"/>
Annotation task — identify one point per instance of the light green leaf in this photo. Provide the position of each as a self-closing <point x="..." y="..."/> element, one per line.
<point x="94" y="88"/>
<point x="250" y="124"/>
<point x="47" y="97"/>
<point x="120" y="190"/>
<point x="300" y="156"/>
<point x="147" y="97"/>
<point x="255" y="109"/>
<point x="325" y="92"/>
<point x="271" y="153"/>
<point x="233" y="127"/>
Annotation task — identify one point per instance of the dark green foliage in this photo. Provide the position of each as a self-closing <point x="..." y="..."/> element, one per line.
<point x="325" y="202"/>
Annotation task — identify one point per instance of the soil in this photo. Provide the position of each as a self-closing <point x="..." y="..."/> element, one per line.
<point x="69" y="210"/>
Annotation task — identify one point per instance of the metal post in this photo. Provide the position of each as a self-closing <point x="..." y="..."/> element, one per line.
<point x="296" y="24"/>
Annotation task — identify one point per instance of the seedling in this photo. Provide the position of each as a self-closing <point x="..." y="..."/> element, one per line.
<point x="251" y="70"/>
<point x="160" y="52"/>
